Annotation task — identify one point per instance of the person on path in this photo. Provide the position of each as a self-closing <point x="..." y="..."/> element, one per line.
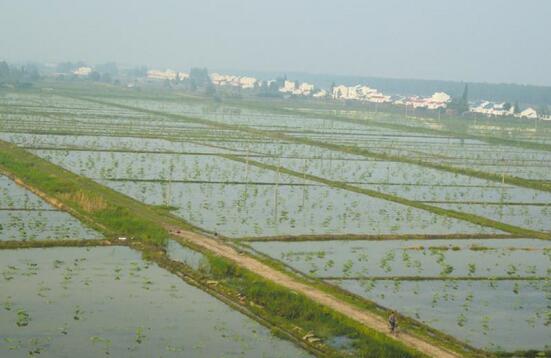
<point x="393" y="322"/>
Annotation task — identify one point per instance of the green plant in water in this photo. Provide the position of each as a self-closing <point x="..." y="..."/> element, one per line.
<point x="23" y="318"/>
<point x="347" y="267"/>
<point x="485" y="324"/>
<point x="78" y="314"/>
<point x="103" y="341"/>
<point x="472" y="269"/>
<point x="446" y="270"/>
<point x="329" y="264"/>
<point x="511" y="269"/>
<point x="140" y="336"/>
<point x="8" y="304"/>
<point x="461" y="319"/>
<point x="64" y="330"/>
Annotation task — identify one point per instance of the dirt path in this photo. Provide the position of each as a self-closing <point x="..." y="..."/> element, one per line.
<point x="217" y="247"/>
<point x="366" y="318"/>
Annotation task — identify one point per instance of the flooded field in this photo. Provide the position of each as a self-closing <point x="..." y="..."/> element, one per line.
<point x="491" y="293"/>
<point x="62" y="300"/>
<point x="25" y="216"/>
<point x="514" y="258"/>
<point x="247" y="173"/>
<point x="498" y="316"/>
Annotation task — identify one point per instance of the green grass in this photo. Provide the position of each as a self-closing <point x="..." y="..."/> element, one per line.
<point x="32" y="244"/>
<point x="525" y="354"/>
<point x="375" y="237"/>
<point x="107" y="211"/>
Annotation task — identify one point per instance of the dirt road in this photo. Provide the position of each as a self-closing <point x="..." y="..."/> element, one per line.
<point x="218" y="247"/>
<point x="366" y="318"/>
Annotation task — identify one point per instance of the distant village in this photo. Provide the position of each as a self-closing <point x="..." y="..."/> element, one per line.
<point x="361" y="93"/>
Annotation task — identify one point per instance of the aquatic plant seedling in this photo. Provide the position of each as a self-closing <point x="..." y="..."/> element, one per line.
<point x="23" y="318"/>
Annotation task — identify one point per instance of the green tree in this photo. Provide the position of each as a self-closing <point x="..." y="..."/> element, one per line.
<point x="516" y="108"/>
<point x="465" y="96"/>
<point x="94" y="76"/>
<point x="4" y="71"/>
<point x="461" y="105"/>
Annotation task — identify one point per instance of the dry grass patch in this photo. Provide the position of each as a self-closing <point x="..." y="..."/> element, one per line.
<point x="86" y="201"/>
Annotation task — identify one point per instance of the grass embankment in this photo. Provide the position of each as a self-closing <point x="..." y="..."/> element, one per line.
<point x="115" y="214"/>
<point x="290" y="315"/>
<point x="34" y="244"/>
<point x="389" y="237"/>
<point x="348" y="149"/>
<point x="105" y="210"/>
<point x="475" y="219"/>
<point x="433" y="278"/>
<point x="525" y="354"/>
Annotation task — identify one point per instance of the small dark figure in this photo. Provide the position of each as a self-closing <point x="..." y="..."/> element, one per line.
<point x="393" y="322"/>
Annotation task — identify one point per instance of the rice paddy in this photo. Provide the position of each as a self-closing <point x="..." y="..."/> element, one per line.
<point x="92" y="301"/>
<point x="24" y="216"/>
<point x="264" y="179"/>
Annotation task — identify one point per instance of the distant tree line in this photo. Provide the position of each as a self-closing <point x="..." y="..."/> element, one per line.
<point x="199" y="79"/>
<point x="22" y="76"/>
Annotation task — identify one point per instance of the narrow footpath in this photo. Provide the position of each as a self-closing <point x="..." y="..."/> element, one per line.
<point x="364" y="317"/>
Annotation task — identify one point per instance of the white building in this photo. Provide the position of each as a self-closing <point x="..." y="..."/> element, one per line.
<point x="493" y="109"/>
<point x="234" y="81"/>
<point x="297" y="89"/>
<point x="82" y="71"/>
<point x="359" y="93"/>
<point x="305" y="89"/>
<point x="166" y="75"/>
<point x="288" y="87"/>
<point x="378" y="98"/>
<point x="436" y="101"/>
<point x="528" y="113"/>
<point x="247" y="82"/>
<point x="340" y="92"/>
<point x="321" y="93"/>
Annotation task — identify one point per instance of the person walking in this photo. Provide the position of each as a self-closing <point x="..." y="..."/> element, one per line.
<point x="393" y="323"/>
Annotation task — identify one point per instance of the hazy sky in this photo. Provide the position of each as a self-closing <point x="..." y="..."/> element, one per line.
<point x="471" y="40"/>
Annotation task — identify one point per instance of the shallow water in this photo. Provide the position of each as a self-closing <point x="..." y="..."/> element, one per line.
<point x="107" y="300"/>
<point x="25" y="216"/>
<point x="363" y="258"/>
<point x="12" y="196"/>
<point x="509" y="316"/>
<point x="270" y="210"/>
<point x="181" y="253"/>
